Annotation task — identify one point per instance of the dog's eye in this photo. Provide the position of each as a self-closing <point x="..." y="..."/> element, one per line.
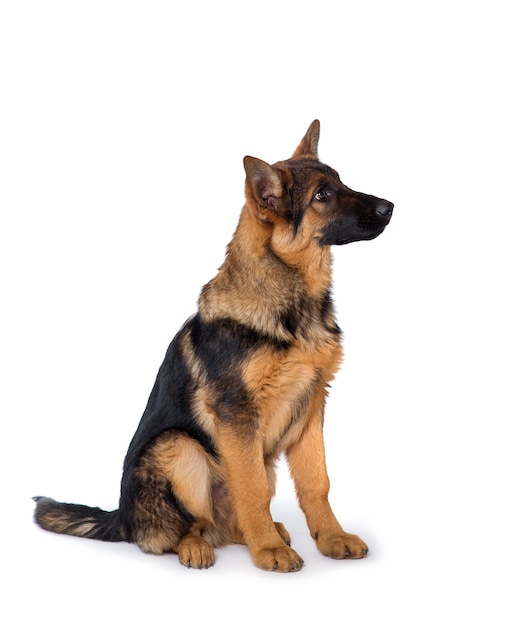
<point x="321" y="195"/>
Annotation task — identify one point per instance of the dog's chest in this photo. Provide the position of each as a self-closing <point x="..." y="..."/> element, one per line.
<point x="288" y="386"/>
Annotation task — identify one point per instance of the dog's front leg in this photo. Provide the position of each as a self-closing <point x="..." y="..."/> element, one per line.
<point x="306" y="459"/>
<point x="251" y="498"/>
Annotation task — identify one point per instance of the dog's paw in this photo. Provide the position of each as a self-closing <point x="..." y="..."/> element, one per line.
<point x="344" y="546"/>
<point x="196" y="552"/>
<point x="282" y="559"/>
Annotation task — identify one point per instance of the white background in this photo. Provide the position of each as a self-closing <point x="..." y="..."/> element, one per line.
<point x="123" y="128"/>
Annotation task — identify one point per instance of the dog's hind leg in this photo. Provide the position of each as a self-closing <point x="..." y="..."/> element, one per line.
<point x="173" y="503"/>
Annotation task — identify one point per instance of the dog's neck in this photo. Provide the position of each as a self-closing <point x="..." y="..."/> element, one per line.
<point x="255" y="242"/>
<point x="253" y="265"/>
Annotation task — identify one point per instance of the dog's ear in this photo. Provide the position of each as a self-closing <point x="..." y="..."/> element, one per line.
<point x="263" y="186"/>
<point x="308" y="146"/>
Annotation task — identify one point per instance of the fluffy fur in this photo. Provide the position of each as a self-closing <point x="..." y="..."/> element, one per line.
<point x="243" y="381"/>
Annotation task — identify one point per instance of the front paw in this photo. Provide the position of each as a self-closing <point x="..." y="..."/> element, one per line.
<point x="282" y="559"/>
<point x="342" y="546"/>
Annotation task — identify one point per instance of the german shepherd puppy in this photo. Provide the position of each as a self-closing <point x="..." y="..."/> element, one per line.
<point x="243" y="381"/>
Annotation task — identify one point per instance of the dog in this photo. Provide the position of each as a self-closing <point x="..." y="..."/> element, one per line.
<point x="244" y="381"/>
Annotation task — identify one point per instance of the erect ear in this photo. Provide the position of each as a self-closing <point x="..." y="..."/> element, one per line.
<point x="263" y="183"/>
<point x="308" y="146"/>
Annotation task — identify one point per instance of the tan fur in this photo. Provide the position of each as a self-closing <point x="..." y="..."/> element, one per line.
<point x="199" y="485"/>
<point x="281" y="384"/>
<point x="245" y="381"/>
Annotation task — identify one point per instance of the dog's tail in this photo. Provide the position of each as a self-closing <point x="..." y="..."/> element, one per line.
<point x="79" y="520"/>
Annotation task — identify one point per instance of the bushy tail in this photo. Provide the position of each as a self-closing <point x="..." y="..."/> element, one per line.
<point x="78" y="520"/>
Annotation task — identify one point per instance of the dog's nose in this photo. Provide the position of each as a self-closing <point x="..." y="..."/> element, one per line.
<point x="384" y="208"/>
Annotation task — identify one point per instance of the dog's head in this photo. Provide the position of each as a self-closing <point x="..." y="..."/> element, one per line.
<point x="305" y="199"/>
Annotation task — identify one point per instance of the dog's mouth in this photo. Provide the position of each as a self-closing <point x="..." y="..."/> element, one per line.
<point x="350" y="226"/>
<point x="359" y="237"/>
